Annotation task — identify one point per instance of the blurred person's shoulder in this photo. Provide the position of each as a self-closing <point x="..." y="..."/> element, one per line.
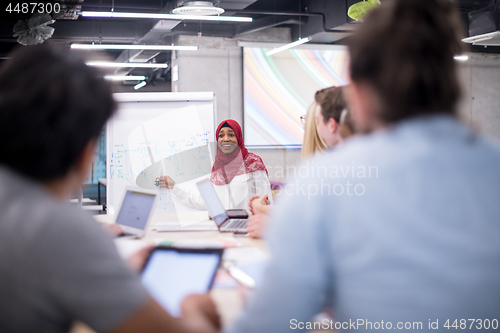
<point x="29" y="212"/>
<point x="412" y="140"/>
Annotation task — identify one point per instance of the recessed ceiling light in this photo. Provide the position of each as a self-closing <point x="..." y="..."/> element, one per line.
<point x="462" y="57"/>
<point x="201" y="8"/>
<point x="288" y="46"/>
<point x="140" y="85"/>
<point x="125" y="77"/>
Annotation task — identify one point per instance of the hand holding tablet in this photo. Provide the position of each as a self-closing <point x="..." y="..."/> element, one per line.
<point x="171" y="274"/>
<point x="201" y="305"/>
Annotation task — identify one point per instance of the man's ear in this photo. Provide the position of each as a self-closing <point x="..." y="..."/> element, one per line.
<point x="363" y="105"/>
<point x="333" y="126"/>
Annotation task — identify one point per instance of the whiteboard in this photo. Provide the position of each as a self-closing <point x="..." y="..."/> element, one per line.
<point x="155" y="134"/>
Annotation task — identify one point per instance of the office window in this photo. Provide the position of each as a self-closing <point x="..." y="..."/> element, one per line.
<point x="98" y="169"/>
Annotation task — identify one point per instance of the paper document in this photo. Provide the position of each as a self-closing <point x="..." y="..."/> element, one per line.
<point x="217" y="242"/>
<point x="187" y="218"/>
<point x="165" y="226"/>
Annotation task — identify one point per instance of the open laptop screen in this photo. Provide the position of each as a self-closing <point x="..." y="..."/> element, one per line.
<point x="215" y="208"/>
<point x="135" y="209"/>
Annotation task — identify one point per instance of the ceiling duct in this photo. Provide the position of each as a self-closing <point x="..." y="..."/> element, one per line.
<point x="69" y="10"/>
<point x="325" y="21"/>
<point x="484" y="26"/>
<point x="198" y="8"/>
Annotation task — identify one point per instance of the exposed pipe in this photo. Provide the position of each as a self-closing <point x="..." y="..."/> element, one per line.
<point x="295" y="14"/>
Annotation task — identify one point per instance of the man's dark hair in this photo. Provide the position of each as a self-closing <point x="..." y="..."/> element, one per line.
<point x="404" y="50"/>
<point x="332" y="103"/>
<point x="51" y="106"/>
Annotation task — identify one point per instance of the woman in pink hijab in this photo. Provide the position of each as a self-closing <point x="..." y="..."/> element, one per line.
<point x="237" y="174"/>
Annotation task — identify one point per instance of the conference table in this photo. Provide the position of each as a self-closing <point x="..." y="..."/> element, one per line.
<point x="229" y="301"/>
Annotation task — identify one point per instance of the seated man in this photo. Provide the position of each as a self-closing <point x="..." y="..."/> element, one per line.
<point x="56" y="264"/>
<point x="330" y="104"/>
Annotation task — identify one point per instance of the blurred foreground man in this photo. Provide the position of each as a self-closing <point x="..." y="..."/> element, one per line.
<point x="400" y="229"/>
<point x="56" y="264"/>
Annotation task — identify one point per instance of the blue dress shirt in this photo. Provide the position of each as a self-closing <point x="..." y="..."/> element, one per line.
<point x="397" y="229"/>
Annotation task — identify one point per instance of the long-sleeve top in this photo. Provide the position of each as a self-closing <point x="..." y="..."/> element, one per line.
<point x="399" y="227"/>
<point x="234" y="195"/>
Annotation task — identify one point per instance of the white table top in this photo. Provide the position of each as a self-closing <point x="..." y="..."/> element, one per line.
<point x="229" y="301"/>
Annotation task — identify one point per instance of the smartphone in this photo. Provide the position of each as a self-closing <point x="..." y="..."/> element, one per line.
<point x="237" y="213"/>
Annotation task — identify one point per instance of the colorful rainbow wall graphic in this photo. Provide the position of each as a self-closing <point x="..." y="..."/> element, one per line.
<point x="279" y="88"/>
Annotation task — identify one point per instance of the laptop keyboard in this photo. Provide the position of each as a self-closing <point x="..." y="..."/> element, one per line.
<point x="236" y="224"/>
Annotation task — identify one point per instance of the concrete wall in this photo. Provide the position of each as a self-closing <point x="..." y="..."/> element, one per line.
<point x="217" y="66"/>
<point x="279" y="162"/>
<point x="480" y="105"/>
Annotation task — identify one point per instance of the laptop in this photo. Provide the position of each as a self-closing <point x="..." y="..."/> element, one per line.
<point x="223" y="222"/>
<point x="217" y="211"/>
<point x="135" y="215"/>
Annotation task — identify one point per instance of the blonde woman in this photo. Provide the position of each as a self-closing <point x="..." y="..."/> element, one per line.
<point x="312" y="141"/>
<point x="321" y="131"/>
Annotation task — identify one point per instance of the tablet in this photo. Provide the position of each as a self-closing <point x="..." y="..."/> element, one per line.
<point x="171" y="274"/>
<point x="135" y="215"/>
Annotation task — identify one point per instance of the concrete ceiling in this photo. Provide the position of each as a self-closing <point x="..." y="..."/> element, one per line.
<point x="324" y="21"/>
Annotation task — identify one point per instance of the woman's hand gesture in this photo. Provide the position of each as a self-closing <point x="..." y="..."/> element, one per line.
<point x="256" y="203"/>
<point x="165" y="181"/>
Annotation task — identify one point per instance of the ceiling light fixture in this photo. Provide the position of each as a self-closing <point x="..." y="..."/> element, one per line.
<point x="133" y="47"/>
<point x="166" y="16"/>
<point x="125" y="77"/>
<point x="461" y="57"/>
<point x="126" y="64"/>
<point x="480" y="38"/>
<point x="198" y="8"/>
<point x="288" y="46"/>
<point x="140" y="85"/>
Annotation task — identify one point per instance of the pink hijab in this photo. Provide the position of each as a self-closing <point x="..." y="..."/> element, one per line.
<point x="239" y="162"/>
